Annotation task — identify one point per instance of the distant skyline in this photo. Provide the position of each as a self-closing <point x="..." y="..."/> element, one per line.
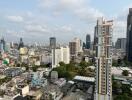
<point x="37" y="20"/>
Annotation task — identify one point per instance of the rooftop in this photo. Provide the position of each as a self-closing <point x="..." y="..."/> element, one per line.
<point x="83" y="78"/>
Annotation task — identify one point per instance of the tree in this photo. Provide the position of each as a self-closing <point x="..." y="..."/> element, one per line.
<point x="83" y="64"/>
<point x="18" y="65"/>
<point x="125" y="73"/>
<point x="123" y="97"/>
<point x="114" y="63"/>
<point x="70" y="67"/>
<point x="116" y="86"/>
<point x="82" y="72"/>
<point x="62" y="63"/>
<point x="126" y="89"/>
<point x="62" y="72"/>
<point x="2" y="93"/>
<point x="34" y="69"/>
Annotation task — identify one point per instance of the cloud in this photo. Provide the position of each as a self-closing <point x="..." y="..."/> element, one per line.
<point x="78" y="8"/>
<point x="120" y="22"/>
<point x="82" y="19"/>
<point x="15" y="18"/>
<point x="36" y="29"/>
<point x="47" y="3"/>
<point x="71" y="4"/>
<point x="88" y="14"/>
<point x="66" y="28"/>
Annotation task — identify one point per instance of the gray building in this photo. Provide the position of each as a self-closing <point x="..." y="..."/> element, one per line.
<point x="88" y="41"/>
<point x="21" y="44"/>
<point x="121" y="44"/>
<point x="52" y="42"/>
<point x="2" y="45"/>
<point x="95" y="38"/>
<point x="73" y="48"/>
<point x="129" y="36"/>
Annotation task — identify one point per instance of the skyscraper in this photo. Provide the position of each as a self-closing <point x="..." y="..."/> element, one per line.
<point x="95" y="38"/>
<point x="121" y="44"/>
<point x="129" y="36"/>
<point x="103" y="88"/>
<point x="84" y="45"/>
<point x="2" y="45"/>
<point x="21" y="44"/>
<point x="73" y="48"/>
<point x="78" y="44"/>
<point x="52" y="48"/>
<point x="52" y="42"/>
<point x="88" y="41"/>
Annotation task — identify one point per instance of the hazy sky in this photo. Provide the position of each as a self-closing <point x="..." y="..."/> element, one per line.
<point x="37" y="20"/>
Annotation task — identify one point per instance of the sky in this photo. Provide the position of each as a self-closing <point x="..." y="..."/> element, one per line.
<point x="37" y="20"/>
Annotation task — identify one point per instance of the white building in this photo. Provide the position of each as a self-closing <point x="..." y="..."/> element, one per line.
<point x="61" y="54"/>
<point x="103" y="89"/>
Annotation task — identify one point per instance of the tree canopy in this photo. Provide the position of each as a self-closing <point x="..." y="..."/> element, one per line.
<point x="125" y="73"/>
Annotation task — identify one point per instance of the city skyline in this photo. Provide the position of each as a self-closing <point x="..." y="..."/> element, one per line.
<point x="37" y="20"/>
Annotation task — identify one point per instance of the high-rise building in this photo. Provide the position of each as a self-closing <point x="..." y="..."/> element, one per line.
<point x="62" y="54"/>
<point x="103" y="87"/>
<point x="73" y="48"/>
<point x="21" y="44"/>
<point x="121" y="44"/>
<point x="88" y="41"/>
<point x="78" y="43"/>
<point x="2" y="45"/>
<point x="95" y="38"/>
<point x="84" y="45"/>
<point x="52" y="42"/>
<point x="129" y="36"/>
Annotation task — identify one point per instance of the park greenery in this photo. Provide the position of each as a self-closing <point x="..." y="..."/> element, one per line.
<point x="72" y="69"/>
<point x="2" y="93"/>
<point x="125" y="73"/>
<point x="6" y="79"/>
<point x="121" y="62"/>
<point x="121" y="91"/>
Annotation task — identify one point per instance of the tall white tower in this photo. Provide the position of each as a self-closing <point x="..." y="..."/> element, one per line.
<point x="103" y="87"/>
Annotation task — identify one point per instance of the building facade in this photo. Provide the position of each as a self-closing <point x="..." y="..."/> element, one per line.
<point x="62" y="54"/>
<point x="78" y="43"/>
<point x="73" y="48"/>
<point x="52" y="42"/>
<point x="95" y="38"/>
<point x="88" y="41"/>
<point x="2" y="45"/>
<point x="129" y="36"/>
<point x="21" y="44"/>
<point x="103" y="88"/>
<point x="121" y="44"/>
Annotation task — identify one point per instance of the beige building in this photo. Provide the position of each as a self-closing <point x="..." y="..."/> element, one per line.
<point x="103" y="88"/>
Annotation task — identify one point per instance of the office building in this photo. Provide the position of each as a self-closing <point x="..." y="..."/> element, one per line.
<point x="52" y="42"/>
<point x="21" y="44"/>
<point x="121" y="44"/>
<point x="84" y="45"/>
<point x="95" y="38"/>
<point x="2" y="45"/>
<point x="129" y="36"/>
<point x="73" y="48"/>
<point x="88" y="41"/>
<point x="61" y="54"/>
<point x="103" y="87"/>
<point x="78" y="43"/>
